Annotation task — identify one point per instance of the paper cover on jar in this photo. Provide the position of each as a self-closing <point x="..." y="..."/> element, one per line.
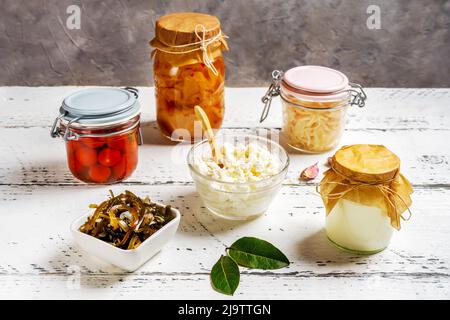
<point x="188" y="38"/>
<point x="369" y="175"/>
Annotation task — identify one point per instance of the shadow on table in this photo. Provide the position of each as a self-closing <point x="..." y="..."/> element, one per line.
<point x="151" y="135"/>
<point x="317" y="249"/>
<point x="196" y="218"/>
<point x="82" y="269"/>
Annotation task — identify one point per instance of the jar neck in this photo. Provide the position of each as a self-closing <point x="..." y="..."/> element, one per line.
<point x="334" y="97"/>
<point x="74" y="131"/>
<point x="316" y="104"/>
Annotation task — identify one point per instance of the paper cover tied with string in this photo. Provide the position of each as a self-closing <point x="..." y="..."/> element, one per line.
<point x="188" y="37"/>
<point x="368" y="175"/>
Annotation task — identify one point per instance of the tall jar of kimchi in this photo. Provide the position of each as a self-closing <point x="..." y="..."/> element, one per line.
<point x="188" y="70"/>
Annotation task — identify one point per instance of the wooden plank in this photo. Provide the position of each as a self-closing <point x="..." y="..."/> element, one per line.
<point x="30" y="156"/>
<point x="132" y="286"/>
<point x="40" y="263"/>
<point x="387" y="109"/>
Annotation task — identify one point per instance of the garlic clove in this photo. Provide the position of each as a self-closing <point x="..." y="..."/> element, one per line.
<point x="310" y="172"/>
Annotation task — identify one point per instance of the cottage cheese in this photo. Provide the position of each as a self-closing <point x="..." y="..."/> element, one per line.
<point x="246" y="183"/>
<point x="241" y="163"/>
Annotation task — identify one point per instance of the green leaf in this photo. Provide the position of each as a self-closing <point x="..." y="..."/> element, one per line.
<point x="225" y="275"/>
<point x="257" y="254"/>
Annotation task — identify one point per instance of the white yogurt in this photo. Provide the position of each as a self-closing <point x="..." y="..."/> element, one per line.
<point x="357" y="227"/>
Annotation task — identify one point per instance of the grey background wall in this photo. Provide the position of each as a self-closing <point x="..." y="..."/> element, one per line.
<point x="411" y="49"/>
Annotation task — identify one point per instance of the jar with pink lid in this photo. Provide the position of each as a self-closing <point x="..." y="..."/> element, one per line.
<point x="315" y="100"/>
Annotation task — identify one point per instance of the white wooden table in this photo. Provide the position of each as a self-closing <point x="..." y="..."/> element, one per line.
<point x="39" y="198"/>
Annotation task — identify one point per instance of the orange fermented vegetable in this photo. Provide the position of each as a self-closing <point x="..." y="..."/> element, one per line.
<point x="180" y="89"/>
<point x="189" y="70"/>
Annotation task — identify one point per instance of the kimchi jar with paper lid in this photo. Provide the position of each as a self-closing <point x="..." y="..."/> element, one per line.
<point x="100" y="127"/>
<point x="188" y="70"/>
<point x="315" y="100"/>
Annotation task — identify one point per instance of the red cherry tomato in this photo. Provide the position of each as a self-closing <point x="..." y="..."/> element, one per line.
<point x="109" y="157"/>
<point x="117" y="144"/>
<point x="72" y="146"/>
<point x="131" y="147"/>
<point x="131" y="162"/>
<point x="85" y="156"/>
<point x="75" y="167"/>
<point x="131" y="143"/>
<point x="99" y="174"/>
<point x="93" y="143"/>
<point x="119" y="170"/>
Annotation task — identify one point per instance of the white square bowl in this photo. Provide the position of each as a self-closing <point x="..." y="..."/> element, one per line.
<point x="129" y="260"/>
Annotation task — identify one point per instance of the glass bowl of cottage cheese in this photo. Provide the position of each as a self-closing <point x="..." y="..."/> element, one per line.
<point x="247" y="179"/>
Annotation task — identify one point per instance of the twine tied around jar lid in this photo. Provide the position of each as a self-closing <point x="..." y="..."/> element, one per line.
<point x="361" y="173"/>
<point x="187" y="33"/>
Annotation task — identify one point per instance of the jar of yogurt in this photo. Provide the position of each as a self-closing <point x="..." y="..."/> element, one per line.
<point x="365" y="197"/>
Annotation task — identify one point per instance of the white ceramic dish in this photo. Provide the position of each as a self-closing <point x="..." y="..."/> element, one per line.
<point x="129" y="260"/>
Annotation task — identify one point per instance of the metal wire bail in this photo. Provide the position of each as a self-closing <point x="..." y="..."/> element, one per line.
<point x="54" y="132"/>
<point x="273" y="91"/>
<point x="69" y="134"/>
<point x="359" y="97"/>
<point x="133" y="91"/>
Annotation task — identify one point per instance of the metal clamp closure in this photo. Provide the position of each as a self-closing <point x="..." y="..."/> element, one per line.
<point x="133" y="91"/>
<point x="359" y="97"/>
<point x="54" y="132"/>
<point x="273" y="91"/>
<point x="70" y="135"/>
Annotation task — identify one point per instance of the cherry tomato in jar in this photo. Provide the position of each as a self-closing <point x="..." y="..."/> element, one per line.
<point x="131" y="162"/>
<point x="119" y="170"/>
<point x="117" y="144"/>
<point x="109" y="157"/>
<point x="99" y="173"/>
<point x="131" y="145"/>
<point x="86" y="156"/>
<point x="93" y="143"/>
<point x="131" y="148"/>
<point x="72" y="145"/>
<point x="77" y="169"/>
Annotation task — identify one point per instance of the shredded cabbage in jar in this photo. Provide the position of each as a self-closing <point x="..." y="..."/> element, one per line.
<point x="314" y="128"/>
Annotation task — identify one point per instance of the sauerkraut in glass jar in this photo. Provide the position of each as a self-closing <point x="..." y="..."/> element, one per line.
<point x="315" y="101"/>
<point x="189" y="70"/>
